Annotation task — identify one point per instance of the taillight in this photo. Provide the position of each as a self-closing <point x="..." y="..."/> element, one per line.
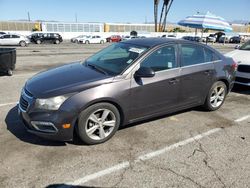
<point x="234" y="66"/>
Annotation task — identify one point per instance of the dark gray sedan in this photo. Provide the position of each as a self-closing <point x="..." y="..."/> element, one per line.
<point x="126" y="82"/>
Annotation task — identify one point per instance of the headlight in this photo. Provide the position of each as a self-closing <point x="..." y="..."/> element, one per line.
<point x="51" y="103"/>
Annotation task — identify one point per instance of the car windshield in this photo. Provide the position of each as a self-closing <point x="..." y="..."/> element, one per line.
<point x="245" y="46"/>
<point x="114" y="59"/>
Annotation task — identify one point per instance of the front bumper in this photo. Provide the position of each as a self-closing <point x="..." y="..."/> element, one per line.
<point x="48" y="125"/>
<point x="242" y="78"/>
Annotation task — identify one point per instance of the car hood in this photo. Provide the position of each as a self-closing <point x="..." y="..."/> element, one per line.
<point x="240" y="56"/>
<point x="66" y="79"/>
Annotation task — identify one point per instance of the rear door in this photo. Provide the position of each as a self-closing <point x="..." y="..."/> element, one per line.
<point x="197" y="73"/>
<point x="159" y="93"/>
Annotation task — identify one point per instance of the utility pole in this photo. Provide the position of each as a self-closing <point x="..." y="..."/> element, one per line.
<point x="29" y="16"/>
<point x="76" y="17"/>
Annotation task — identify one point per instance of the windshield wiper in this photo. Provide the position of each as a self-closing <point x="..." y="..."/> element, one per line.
<point x="97" y="68"/>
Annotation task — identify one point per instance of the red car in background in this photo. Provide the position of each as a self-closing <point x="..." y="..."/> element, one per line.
<point x="114" y="38"/>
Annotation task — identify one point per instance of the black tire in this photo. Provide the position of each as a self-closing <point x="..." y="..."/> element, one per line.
<point x="38" y="41"/>
<point x="102" y="41"/>
<point x="22" y="43"/>
<point x="83" y="123"/>
<point x="208" y="105"/>
<point x="86" y="42"/>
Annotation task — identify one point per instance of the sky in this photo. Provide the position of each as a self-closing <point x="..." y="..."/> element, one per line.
<point x="123" y="11"/>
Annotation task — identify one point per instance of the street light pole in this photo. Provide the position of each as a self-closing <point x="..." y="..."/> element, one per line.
<point x="29" y="16"/>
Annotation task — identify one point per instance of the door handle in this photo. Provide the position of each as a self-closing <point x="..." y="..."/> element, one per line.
<point x="173" y="81"/>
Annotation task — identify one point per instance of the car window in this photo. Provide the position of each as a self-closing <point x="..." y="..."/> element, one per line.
<point x="6" y="36"/>
<point x="245" y="46"/>
<point x="116" y="58"/>
<point x="192" y="55"/>
<point x="208" y="55"/>
<point x="15" y="36"/>
<point x="162" y="59"/>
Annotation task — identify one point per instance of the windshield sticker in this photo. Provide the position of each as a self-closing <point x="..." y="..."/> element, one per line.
<point x="136" y="50"/>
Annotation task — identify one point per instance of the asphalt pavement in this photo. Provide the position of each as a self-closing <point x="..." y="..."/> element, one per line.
<point x="191" y="148"/>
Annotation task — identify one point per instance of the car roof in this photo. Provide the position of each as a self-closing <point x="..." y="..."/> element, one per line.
<point x="150" y="42"/>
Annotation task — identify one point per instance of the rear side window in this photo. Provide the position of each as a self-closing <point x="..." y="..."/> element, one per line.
<point x="161" y="59"/>
<point x="15" y="36"/>
<point x="191" y="55"/>
<point x="210" y="55"/>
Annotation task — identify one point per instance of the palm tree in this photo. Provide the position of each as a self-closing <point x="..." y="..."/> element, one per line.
<point x="156" y="3"/>
<point x="163" y="17"/>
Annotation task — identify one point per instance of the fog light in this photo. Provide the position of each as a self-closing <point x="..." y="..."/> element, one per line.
<point x="44" y="126"/>
<point x="66" y="126"/>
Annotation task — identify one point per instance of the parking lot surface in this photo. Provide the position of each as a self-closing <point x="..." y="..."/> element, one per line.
<point x="192" y="148"/>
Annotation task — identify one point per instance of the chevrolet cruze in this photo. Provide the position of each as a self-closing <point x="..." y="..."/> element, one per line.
<point x="126" y="82"/>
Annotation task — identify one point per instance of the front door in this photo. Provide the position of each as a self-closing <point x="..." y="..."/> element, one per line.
<point x="160" y="93"/>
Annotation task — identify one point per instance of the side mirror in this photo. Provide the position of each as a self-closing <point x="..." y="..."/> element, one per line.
<point x="237" y="46"/>
<point x="144" y="72"/>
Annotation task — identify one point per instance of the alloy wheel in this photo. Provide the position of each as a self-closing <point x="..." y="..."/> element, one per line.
<point x="100" y="124"/>
<point x="217" y="96"/>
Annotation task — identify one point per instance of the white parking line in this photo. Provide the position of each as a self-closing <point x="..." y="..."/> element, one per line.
<point x="242" y="118"/>
<point x="144" y="157"/>
<point x="7" y="104"/>
<point x="147" y="156"/>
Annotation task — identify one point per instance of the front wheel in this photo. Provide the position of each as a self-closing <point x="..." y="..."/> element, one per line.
<point x="98" y="123"/>
<point x="22" y="43"/>
<point x="86" y="42"/>
<point x="102" y="41"/>
<point x="216" y="96"/>
<point x="57" y="42"/>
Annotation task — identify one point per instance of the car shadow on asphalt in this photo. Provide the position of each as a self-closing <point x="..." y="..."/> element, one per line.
<point x="66" y="186"/>
<point x="16" y="127"/>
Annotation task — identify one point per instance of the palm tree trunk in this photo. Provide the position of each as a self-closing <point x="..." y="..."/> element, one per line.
<point x="156" y="2"/>
<point x="162" y="10"/>
<point x="168" y="4"/>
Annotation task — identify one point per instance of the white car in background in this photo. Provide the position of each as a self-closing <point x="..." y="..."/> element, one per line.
<point x="14" y="39"/>
<point x="95" y="39"/>
<point x="78" y="38"/>
<point x="242" y="57"/>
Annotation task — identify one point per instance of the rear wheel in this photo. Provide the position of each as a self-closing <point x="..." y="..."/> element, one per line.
<point x="98" y="123"/>
<point x="22" y="43"/>
<point x="38" y="41"/>
<point x="86" y="42"/>
<point x="102" y="41"/>
<point x="57" y="42"/>
<point x="216" y="96"/>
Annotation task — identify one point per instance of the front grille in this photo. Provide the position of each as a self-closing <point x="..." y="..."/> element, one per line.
<point x="23" y="103"/>
<point x="242" y="80"/>
<point x="244" y="68"/>
<point x="28" y="93"/>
